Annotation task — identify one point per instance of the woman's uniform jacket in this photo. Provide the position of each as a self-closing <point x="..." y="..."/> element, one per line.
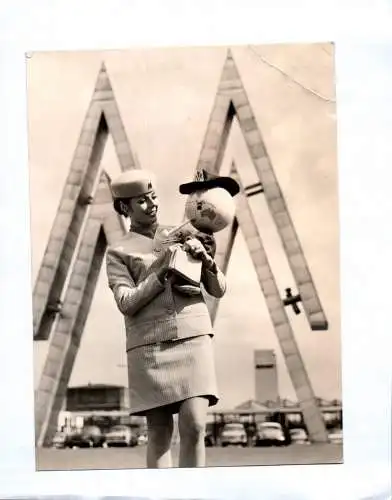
<point x="154" y="311"/>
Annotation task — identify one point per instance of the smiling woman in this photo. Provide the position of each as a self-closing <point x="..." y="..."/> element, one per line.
<point x="169" y="332"/>
<point x="134" y="195"/>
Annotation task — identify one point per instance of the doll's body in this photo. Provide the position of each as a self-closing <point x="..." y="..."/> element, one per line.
<point x="209" y="209"/>
<point x="208" y="241"/>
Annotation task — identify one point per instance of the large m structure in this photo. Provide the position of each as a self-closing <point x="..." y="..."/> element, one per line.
<point x="86" y="222"/>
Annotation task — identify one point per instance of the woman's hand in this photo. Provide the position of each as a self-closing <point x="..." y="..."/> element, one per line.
<point x="196" y="250"/>
<point x="163" y="264"/>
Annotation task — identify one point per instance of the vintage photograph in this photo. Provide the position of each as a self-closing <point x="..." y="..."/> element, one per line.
<point x="185" y="257"/>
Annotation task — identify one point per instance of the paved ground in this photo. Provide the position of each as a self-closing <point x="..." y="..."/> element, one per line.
<point x="134" y="458"/>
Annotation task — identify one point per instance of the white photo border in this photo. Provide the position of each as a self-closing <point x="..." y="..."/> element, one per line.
<point x="364" y="103"/>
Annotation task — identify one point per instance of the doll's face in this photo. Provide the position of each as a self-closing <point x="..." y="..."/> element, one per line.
<point x="211" y="210"/>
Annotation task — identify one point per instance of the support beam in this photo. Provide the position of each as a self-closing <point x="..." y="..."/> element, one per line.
<point x="312" y="415"/>
<point x="232" y="101"/>
<point x="102" y="225"/>
<point x="85" y="221"/>
<point x="102" y="118"/>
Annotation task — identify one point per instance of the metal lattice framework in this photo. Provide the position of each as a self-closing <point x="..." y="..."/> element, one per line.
<point x="86" y="222"/>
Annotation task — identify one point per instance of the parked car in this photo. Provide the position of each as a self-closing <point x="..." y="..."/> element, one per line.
<point x="209" y="439"/>
<point x="120" y="435"/>
<point x="233" y="434"/>
<point x="299" y="436"/>
<point x="336" y="436"/>
<point x="142" y="439"/>
<point x="88" y="437"/>
<point x="270" y="434"/>
<point x="59" y="439"/>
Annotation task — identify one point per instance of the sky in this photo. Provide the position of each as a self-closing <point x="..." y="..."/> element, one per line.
<point x="165" y="97"/>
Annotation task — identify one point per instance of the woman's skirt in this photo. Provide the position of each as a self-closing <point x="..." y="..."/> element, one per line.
<point x="168" y="373"/>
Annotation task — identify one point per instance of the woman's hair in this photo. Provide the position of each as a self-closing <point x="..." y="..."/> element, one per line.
<point x="117" y="205"/>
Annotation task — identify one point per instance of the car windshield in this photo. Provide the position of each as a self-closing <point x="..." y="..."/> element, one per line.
<point x="234" y="427"/>
<point x="91" y="429"/>
<point x="269" y="425"/>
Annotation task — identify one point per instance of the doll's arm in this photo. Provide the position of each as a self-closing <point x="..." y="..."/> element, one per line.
<point x="129" y="297"/>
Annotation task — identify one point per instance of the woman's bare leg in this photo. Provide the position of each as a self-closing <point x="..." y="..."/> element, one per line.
<point x="160" y="432"/>
<point x="191" y="425"/>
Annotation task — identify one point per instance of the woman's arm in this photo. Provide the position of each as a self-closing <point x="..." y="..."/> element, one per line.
<point x="129" y="297"/>
<point x="213" y="279"/>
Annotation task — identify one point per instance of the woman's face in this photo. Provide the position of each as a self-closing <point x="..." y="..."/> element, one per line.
<point x="143" y="209"/>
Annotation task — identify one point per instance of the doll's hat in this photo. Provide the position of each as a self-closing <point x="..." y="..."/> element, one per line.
<point x="132" y="183"/>
<point x="206" y="180"/>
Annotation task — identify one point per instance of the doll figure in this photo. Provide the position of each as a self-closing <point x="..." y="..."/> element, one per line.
<point x="209" y="208"/>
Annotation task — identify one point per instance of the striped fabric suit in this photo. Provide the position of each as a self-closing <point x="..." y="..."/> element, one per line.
<point x="169" y="334"/>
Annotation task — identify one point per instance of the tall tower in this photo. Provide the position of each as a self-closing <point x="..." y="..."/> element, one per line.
<point x="266" y="374"/>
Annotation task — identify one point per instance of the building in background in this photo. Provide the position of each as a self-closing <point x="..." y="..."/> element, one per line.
<point x="95" y="403"/>
<point x="97" y="397"/>
<point x="266" y="375"/>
